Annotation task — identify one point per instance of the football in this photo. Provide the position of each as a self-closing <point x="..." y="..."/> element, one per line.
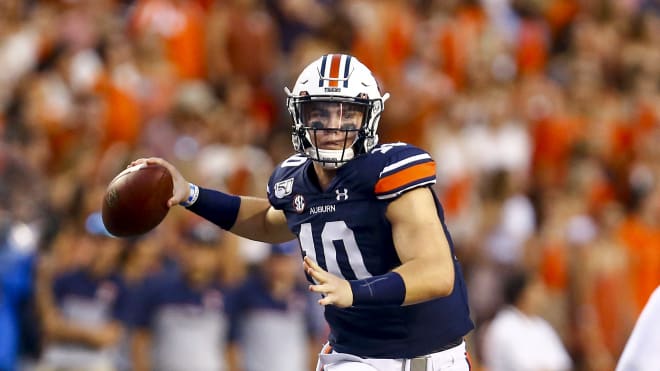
<point x="135" y="201"/>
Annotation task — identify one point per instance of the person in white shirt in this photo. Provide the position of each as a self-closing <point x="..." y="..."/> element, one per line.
<point x="518" y="339"/>
<point x="642" y="350"/>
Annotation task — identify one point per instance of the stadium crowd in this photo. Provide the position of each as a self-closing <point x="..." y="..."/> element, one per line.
<point x="542" y="116"/>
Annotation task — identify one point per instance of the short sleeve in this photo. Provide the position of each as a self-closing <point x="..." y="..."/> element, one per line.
<point x="405" y="168"/>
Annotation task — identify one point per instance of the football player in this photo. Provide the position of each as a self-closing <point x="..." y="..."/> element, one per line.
<point x="371" y="229"/>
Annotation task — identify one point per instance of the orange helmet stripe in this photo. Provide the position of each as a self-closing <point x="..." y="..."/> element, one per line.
<point x="405" y="176"/>
<point x="334" y="70"/>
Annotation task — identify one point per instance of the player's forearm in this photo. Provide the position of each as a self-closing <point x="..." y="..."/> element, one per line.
<point x="415" y="281"/>
<point x="425" y="281"/>
<point x="257" y="221"/>
<point x="140" y="351"/>
<point x="314" y="344"/>
<point x="66" y="331"/>
<point x="249" y="217"/>
<point x="60" y="330"/>
<point x="233" y="355"/>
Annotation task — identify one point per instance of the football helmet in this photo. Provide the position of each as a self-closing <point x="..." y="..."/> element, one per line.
<point x="336" y="95"/>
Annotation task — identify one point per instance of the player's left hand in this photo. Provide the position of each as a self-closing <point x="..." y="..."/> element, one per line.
<point x="180" y="188"/>
<point x="335" y="290"/>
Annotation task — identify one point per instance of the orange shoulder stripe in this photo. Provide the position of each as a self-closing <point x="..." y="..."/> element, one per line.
<point x="403" y="177"/>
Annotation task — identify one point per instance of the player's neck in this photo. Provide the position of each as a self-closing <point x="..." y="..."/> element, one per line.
<point x="324" y="176"/>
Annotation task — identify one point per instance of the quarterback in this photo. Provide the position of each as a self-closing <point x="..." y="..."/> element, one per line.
<point x="374" y="242"/>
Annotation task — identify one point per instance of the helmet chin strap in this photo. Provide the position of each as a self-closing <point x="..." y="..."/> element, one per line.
<point x="330" y="158"/>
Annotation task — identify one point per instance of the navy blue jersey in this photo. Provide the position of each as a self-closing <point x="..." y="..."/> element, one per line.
<point x="253" y="295"/>
<point x="345" y="230"/>
<point x="188" y="324"/>
<point x="89" y="302"/>
<point x="273" y="331"/>
<point x="87" y="299"/>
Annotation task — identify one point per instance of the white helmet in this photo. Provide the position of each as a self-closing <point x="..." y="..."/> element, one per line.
<point x="336" y="79"/>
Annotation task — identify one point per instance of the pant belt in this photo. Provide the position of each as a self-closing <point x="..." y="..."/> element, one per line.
<point x="421" y="363"/>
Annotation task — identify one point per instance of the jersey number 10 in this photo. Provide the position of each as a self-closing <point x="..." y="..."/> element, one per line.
<point x="332" y="232"/>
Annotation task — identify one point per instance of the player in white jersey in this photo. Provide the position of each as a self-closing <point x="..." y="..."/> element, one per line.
<point x="541" y="347"/>
<point x="372" y="231"/>
<point x="642" y="351"/>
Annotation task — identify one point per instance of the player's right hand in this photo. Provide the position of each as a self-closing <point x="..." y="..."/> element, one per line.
<point x="180" y="190"/>
<point x="335" y="290"/>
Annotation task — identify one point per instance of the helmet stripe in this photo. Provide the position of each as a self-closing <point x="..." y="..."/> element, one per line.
<point x="322" y="71"/>
<point x="346" y="70"/>
<point x="334" y="70"/>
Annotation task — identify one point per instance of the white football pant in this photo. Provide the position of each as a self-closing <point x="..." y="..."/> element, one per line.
<point x="453" y="359"/>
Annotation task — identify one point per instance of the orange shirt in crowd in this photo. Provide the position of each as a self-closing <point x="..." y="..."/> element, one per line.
<point x="181" y="25"/>
<point x="622" y="139"/>
<point x="553" y="266"/>
<point x="553" y="140"/>
<point x="560" y="14"/>
<point x="386" y="51"/>
<point x="456" y="195"/>
<point x="122" y="116"/>
<point x="642" y="242"/>
<point x="532" y="52"/>
<point x="455" y="41"/>
<point x="611" y="310"/>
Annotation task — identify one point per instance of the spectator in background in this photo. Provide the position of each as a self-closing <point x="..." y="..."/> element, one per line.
<point x="518" y="339"/>
<point x="598" y="269"/>
<point x="82" y="324"/>
<point x="179" y="25"/>
<point x="16" y="272"/>
<point x="143" y="260"/>
<point x="276" y="325"/>
<point x="179" y="318"/>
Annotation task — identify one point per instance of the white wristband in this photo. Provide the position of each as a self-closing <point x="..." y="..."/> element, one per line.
<point x="192" y="196"/>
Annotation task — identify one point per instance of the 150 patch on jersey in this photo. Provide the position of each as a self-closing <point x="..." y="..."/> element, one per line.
<point x="283" y="188"/>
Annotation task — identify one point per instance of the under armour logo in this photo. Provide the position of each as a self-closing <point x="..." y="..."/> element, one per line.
<point x="342" y="195"/>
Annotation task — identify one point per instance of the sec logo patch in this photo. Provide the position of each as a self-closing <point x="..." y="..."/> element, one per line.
<point x="299" y="204"/>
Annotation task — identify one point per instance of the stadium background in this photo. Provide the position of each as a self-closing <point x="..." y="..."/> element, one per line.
<point x="542" y="117"/>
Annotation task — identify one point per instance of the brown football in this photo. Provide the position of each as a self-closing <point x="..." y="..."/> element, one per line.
<point x="135" y="201"/>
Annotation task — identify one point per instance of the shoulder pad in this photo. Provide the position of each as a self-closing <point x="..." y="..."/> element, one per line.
<point x="281" y="180"/>
<point x="404" y="167"/>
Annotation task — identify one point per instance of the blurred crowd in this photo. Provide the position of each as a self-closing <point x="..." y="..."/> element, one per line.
<point x="542" y="116"/>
